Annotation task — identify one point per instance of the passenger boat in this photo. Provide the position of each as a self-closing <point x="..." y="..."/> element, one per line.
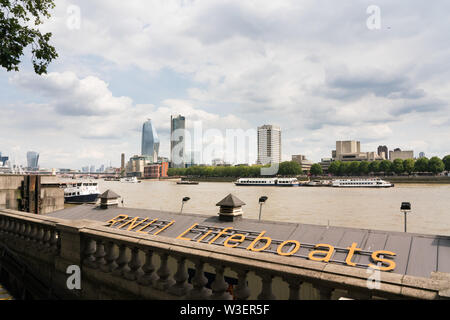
<point x="187" y="182"/>
<point x="80" y="191"/>
<point x="280" y="182"/>
<point x="130" y="180"/>
<point x="361" y="183"/>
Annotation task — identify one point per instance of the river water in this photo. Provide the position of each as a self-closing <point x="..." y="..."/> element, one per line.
<point x="366" y="208"/>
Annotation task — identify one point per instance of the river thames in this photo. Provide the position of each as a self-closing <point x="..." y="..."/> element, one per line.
<point x="366" y="208"/>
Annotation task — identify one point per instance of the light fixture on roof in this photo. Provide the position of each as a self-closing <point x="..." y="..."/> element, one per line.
<point x="185" y="199"/>
<point x="405" y="207"/>
<point x="262" y="200"/>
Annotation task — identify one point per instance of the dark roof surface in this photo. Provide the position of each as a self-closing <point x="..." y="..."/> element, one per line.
<point x="416" y="254"/>
<point x="231" y="201"/>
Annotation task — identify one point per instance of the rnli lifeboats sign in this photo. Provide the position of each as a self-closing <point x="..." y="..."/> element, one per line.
<point x="257" y="242"/>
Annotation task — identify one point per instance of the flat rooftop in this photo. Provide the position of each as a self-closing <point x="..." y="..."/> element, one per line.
<point x="415" y="254"/>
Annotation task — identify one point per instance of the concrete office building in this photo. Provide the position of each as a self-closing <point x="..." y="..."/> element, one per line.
<point x="122" y="161"/>
<point x="303" y="162"/>
<point x="269" y="144"/>
<point x="399" y="154"/>
<point x="177" y="141"/>
<point x="150" y="141"/>
<point x="351" y="151"/>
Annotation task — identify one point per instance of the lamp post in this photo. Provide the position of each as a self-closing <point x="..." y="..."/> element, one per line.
<point x="262" y="200"/>
<point x="405" y="207"/>
<point x="185" y="199"/>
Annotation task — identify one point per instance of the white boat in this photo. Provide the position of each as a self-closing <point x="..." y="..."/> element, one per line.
<point x="280" y="182"/>
<point x="130" y="180"/>
<point x="80" y="191"/>
<point x="361" y="183"/>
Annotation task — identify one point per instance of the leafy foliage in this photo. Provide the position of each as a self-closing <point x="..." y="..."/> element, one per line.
<point x="18" y="29"/>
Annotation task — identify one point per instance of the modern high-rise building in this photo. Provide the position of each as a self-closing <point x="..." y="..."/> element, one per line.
<point x="3" y="160"/>
<point x="177" y="141"/>
<point x="150" y="141"/>
<point x="383" y="151"/>
<point x="122" y="161"/>
<point x="32" y="160"/>
<point x="269" y="144"/>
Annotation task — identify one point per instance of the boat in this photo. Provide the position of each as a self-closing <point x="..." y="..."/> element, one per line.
<point x="129" y="180"/>
<point x="280" y="182"/>
<point x="187" y="182"/>
<point x="80" y="191"/>
<point x="361" y="183"/>
<point x="317" y="183"/>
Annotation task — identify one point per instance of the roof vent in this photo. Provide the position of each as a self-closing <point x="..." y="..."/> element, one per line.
<point x="230" y="208"/>
<point x="109" y="199"/>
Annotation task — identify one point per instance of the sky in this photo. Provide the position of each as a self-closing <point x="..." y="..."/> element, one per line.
<point x="322" y="70"/>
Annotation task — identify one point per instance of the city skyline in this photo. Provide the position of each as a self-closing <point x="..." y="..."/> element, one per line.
<point x="380" y="87"/>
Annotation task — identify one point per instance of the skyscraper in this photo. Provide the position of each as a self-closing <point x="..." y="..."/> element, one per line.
<point x="269" y="144"/>
<point x="150" y="141"/>
<point x="32" y="160"/>
<point x="122" y="161"/>
<point x="383" y="151"/>
<point x="177" y="141"/>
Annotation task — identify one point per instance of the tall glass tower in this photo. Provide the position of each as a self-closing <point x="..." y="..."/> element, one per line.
<point x="32" y="160"/>
<point x="150" y="141"/>
<point x="177" y="143"/>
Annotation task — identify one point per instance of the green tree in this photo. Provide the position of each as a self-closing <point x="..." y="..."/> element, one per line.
<point x="316" y="169"/>
<point x="364" y="168"/>
<point x="421" y="165"/>
<point x="344" y="168"/>
<point x="374" y="166"/>
<point x="334" y="167"/>
<point x="354" y="168"/>
<point x="397" y="166"/>
<point x="446" y="161"/>
<point x="408" y="165"/>
<point x="19" y="21"/>
<point x="288" y="168"/>
<point x="436" y="165"/>
<point x="385" y="166"/>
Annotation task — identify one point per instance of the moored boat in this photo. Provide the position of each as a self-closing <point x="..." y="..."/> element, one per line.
<point x="80" y="191"/>
<point x="130" y="180"/>
<point x="280" y="182"/>
<point x="361" y="183"/>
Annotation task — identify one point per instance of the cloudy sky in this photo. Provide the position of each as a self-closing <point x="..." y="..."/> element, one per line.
<point x="321" y="70"/>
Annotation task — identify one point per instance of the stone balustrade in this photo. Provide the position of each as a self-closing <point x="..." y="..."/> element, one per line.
<point x="117" y="264"/>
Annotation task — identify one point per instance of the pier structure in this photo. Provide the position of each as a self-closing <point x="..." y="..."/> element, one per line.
<point x="88" y="252"/>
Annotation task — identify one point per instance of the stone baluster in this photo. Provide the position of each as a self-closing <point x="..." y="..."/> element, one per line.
<point x="28" y="231"/>
<point x="89" y="252"/>
<point x="294" y="287"/>
<point x="242" y="291"/>
<point x="325" y="293"/>
<point x="40" y="237"/>
<point x="219" y="286"/>
<point x="33" y="234"/>
<point x="47" y="236"/>
<point x="199" y="281"/>
<point x="2" y="225"/>
<point x="22" y="231"/>
<point x="164" y="281"/>
<point x="266" y="291"/>
<point x="122" y="262"/>
<point x="110" y="258"/>
<point x="100" y="253"/>
<point x="54" y="237"/>
<point x="134" y="266"/>
<point x="149" y="276"/>
<point x="181" y="286"/>
<point x="10" y="228"/>
<point x="17" y="227"/>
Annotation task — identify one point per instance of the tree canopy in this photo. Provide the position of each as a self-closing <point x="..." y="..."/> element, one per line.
<point x="19" y="20"/>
